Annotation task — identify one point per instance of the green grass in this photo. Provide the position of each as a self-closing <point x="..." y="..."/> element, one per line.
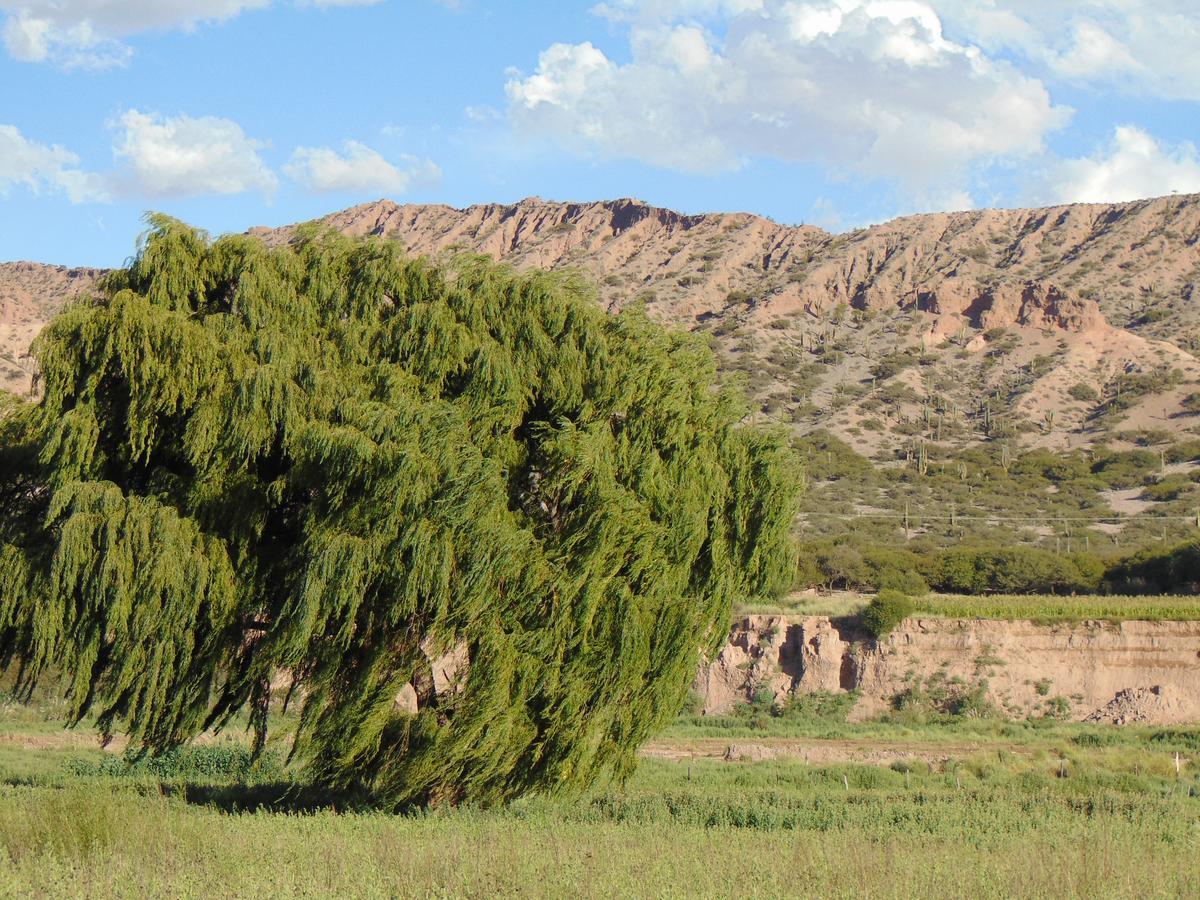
<point x="838" y="603"/>
<point x="1099" y="808"/>
<point x="1050" y="609"/>
<point x="1040" y="608"/>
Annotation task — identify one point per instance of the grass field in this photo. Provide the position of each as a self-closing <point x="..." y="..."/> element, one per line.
<point x="1060" y="609"/>
<point x="1038" y="608"/>
<point x="966" y="808"/>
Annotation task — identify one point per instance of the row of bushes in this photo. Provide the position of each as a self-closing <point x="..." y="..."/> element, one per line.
<point x="847" y="564"/>
<point x="1174" y="571"/>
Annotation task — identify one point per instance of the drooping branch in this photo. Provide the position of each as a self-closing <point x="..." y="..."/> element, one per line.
<point x="339" y="463"/>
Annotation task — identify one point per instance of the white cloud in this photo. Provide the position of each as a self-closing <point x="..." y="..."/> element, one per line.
<point x="39" y="40"/>
<point x="357" y="168"/>
<point x="873" y="86"/>
<point x="120" y="18"/>
<point x="88" y="33"/>
<point x="1138" y="46"/>
<point x="44" y="167"/>
<point x="482" y="114"/>
<point x="186" y="156"/>
<point x="1132" y="166"/>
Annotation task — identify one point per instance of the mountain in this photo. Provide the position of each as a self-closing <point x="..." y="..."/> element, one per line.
<point x="1053" y="327"/>
<point x="30" y="294"/>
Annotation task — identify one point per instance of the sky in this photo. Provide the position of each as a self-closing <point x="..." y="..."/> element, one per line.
<point x="838" y="113"/>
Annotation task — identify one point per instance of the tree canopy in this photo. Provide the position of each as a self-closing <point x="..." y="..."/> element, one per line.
<point x="336" y="462"/>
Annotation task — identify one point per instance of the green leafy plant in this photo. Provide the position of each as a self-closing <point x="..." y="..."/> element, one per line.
<point x="887" y="610"/>
<point x="378" y="474"/>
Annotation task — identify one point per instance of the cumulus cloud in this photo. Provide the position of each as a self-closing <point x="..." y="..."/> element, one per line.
<point x="1132" y="166"/>
<point x="41" y="167"/>
<point x="89" y="33"/>
<point x="185" y="156"/>
<point x="870" y="86"/>
<point x="1139" y="46"/>
<point x="76" y="46"/>
<point x="358" y="168"/>
<point x="1142" y="46"/>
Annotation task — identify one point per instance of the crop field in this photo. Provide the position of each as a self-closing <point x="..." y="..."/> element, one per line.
<point x="1060" y="609"/>
<point x="1040" y="608"/>
<point x="945" y="808"/>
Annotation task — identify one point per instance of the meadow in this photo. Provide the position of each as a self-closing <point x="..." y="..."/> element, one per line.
<point x="965" y="808"/>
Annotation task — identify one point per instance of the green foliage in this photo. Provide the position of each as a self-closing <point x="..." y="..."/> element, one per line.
<point x="850" y="563"/>
<point x="819" y="707"/>
<point x="1083" y="392"/>
<point x="892" y="364"/>
<point x="887" y="610"/>
<point x="334" y="461"/>
<point x="937" y="697"/>
<point x="226" y="760"/>
<point x="1128" y="469"/>
<point x="1176" y="570"/>
<point x="1051" y="609"/>
<point x="1012" y="570"/>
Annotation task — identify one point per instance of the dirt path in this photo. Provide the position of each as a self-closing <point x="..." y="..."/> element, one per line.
<point x="83" y="739"/>
<point x="821" y="752"/>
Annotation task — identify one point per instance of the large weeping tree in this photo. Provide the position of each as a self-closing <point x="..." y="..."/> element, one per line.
<point x="378" y="478"/>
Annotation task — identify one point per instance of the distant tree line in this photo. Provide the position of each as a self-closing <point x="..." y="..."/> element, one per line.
<point x="845" y="563"/>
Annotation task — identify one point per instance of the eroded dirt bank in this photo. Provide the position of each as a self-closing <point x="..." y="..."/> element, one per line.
<point x="1147" y="672"/>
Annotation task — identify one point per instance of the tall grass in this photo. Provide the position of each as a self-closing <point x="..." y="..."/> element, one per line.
<point x="708" y="829"/>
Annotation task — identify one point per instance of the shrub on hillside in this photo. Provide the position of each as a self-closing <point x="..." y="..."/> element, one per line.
<point x="1127" y="470"/>
<point x="1083" y="392"/>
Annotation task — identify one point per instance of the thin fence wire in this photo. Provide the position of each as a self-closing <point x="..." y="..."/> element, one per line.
<point x="1040" y="520"/>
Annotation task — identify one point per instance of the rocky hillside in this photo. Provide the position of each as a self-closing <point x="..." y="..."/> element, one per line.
<point x="29" y="295"/>
<point x="1054" y="327"/>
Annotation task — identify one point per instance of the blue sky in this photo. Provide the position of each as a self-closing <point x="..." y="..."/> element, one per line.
<point x="232" y="113"/>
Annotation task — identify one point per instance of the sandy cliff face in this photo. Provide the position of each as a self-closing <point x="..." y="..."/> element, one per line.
<point x="1124" y="673"/>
